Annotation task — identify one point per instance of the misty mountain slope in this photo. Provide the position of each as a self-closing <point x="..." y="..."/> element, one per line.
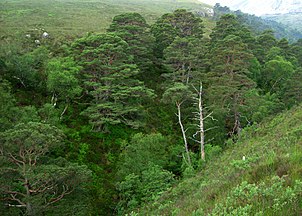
<point x="258" y="24"/>
<point x="286" y="12"/>
<point x="293" y="20"/>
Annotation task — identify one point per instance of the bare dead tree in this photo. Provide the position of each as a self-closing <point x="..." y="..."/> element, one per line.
<point x="199" y="117"/>
<point x="178" y="105"/>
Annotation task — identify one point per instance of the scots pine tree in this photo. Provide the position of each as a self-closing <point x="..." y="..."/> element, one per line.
<point x="185" y="58"/>
<point x="109" y="75"/>
<point x="229" y="81"/>
<point x="133" y="29"/>
<point x="180" y="23"/>
<point x="31" y="181"/>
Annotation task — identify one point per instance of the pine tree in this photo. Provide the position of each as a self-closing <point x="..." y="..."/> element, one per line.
<point x="30" y="180"/>
<point x="228" y="79"/>
<point x="180" y="23"/>
<point x="185" y="58"/>
<point x="109" y="76"/>
<point x="292" y="88"/>
<point x="264" y="42"/>
<point x="296" y="50"/>
<point x="275" y="73"/>
<point x="133" y="29"/>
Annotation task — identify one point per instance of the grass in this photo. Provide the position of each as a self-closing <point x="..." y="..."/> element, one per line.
<point x="268" y="182"/>
<point x="76" y="17"/>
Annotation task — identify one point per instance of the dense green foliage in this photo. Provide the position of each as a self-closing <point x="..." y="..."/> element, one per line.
<point x="88" y="125"/>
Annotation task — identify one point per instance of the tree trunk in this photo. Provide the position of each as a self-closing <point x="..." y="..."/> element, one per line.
<point x="237" y="124"/>
<point x="237" y="128"/>
<point x="183" y="134"/>
<point x="29" y="209"/>
<point x="201" y="125"/>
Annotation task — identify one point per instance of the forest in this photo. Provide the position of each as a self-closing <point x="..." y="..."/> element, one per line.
<point x="113" y="123"/>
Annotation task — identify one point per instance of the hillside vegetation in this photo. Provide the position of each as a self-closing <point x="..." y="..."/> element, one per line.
<point x="259" y="175"/>
<point x="88" y="124"/>
<point x="71" y="18"/>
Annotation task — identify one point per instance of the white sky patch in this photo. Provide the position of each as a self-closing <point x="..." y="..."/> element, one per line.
<point x="257" y="7"/>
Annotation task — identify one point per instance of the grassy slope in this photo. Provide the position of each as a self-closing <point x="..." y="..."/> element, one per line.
<point x="271" y="149"/>
<point x="76" y="17"/>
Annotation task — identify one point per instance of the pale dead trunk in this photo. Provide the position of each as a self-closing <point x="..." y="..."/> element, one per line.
<point x="65" y="109"/>
<point x="183" y="133"/>
<point x="201" y="124"/>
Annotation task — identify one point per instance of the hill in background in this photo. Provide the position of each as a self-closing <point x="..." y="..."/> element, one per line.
<point x="293" y="20"/>
<point x="77" y="17"/>
<point x="67" y="18"/>
<point x="286" y="12"/>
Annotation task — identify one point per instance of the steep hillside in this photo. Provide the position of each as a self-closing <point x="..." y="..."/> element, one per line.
<point x="68" y="17"/>
<point x="259" y="175"/>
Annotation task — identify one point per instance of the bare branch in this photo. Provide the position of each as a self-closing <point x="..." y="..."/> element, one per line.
<point x="208" y="116"/>
<point x="211" y="128"/>
<point x="15" y="193"/>
<point x="13" y="198"/>
<point x="18" y="206"/>
<point x="20" y="80"/>
<point x="15" y="160"/>
<point x="65" y="192"/>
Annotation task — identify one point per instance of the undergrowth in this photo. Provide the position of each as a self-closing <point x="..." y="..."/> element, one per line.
<point x="261" y="174"/>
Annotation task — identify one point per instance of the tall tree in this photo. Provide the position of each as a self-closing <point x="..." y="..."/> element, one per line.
<point x="133" y="29"/>
<point x="110" y="78"/>
<point x="185" y="58"/>
<point x="292" y="88"/>
<point x="62" y="80"/>
<point x="275" y="73"/>
<point x="31" y="181"/>
<point x="178" y="94"/>
<point x="264" y="42"/>
<point x="229" y="79"/>
<point x="229" y="24"/>
<point x="296" y="49"/>
<point x="180" y="23"/>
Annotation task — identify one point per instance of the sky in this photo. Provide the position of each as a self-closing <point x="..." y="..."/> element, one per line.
<point x="257" y="7"/>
